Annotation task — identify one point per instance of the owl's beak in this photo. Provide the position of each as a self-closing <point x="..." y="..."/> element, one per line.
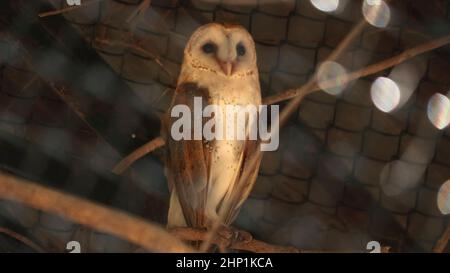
<point x="227" y="67"/>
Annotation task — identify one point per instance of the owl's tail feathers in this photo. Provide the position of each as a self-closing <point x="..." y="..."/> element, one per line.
<point x="175" y="217"/>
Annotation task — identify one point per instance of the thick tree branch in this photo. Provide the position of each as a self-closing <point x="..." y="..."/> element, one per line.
<point x="245" y="244"/>
<point x="132" y="229"/>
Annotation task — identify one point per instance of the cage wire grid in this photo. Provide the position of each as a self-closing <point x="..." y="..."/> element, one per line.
<point x="322" y="189"/>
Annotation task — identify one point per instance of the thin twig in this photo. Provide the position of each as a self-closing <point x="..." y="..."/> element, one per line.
<point x="61" y="92"/>
<point x="366" y="71"/>
<point x="145" y="4"/>
<point x="66" y="9"/>
<point x="22" y="239"/>
<point x="138" y="49"/>
<point x="161" y="96"/>
<point x="137" y="154"/>
<point x="443" y="241"/>
<point x="11" y="103"/>
<point x="133" y="229"/>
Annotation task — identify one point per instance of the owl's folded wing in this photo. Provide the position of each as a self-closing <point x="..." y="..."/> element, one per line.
<point x="248" y="172"/>
<point x="188" y="161"/>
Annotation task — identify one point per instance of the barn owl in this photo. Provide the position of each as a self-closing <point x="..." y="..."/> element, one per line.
<point x="210" y="180"/>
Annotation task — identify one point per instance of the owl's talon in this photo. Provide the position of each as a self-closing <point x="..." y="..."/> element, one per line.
<point x="231" y="236"/>
<point x="225" y="232"/>
<point x="240" y="236"/>
<point x="244" y="236"/>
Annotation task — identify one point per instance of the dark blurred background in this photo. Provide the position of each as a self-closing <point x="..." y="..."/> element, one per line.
<point x="80" y="90"/>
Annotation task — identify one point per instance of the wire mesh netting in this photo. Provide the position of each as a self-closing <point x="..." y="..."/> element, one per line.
<point x="346" y="172"/>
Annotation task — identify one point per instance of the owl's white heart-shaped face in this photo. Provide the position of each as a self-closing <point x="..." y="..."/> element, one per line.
<point x="223" y="50"/>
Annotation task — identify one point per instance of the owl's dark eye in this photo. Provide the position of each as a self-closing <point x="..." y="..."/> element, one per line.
<point x="240" y="49"/>
<point x="209" y="48"/>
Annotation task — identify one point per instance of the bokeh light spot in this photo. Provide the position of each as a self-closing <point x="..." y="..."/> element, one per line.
<point x="385" y="94"/>
<point x="376" y="12"/>
<point x="332" y="77"/>
<point x="438" y="111"/>
<point x="443" y="198"/>
<point x="325" y="5"/>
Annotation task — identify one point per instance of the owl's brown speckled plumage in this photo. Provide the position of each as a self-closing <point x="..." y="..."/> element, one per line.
<point x="207" y="179"/>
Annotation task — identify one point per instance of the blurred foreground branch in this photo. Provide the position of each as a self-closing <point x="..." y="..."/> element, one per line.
<point x="120" y="224"/>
